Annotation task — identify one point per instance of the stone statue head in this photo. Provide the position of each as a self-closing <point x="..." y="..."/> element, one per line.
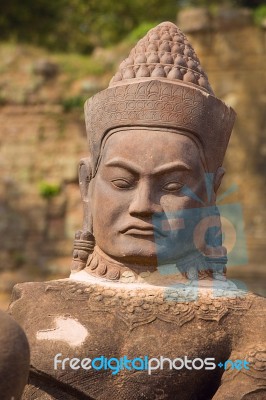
<point x="157" y="137"/>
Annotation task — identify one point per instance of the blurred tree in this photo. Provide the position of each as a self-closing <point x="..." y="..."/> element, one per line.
<point x="32" y="21"/>
<point x="80" y="25"/>
<point x="237" y="3"/>
<point x="251" y="3"/>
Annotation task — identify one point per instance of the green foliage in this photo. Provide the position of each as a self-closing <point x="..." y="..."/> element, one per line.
<point x="140" y="31"/>
<point x="31" y="21"/>
<point x="201" y="3"/>
<point x="260" y="14"/>
<point x="3" y="100"/>
<point x="250" y="3"/>
<point x="82" y="25"/>
<point x="48" y="190"/>
<point x="217" y="3"/>
<point x="72" y="103"/>
<point x="79" y="65"/>
<point x="19" y="259"/>
<point x="79" y="25"/>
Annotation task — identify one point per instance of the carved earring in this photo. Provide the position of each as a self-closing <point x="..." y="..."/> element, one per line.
<point x="83" y="246"/>
<point x="84" y="240"/>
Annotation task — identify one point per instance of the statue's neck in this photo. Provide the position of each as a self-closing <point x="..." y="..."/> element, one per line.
<point x="102" y="266"/>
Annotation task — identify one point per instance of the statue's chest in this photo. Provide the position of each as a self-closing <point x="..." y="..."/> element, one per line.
<point x="96" y="321"/>
<point x="152" y="339"/>
<point x="157" y="358"/>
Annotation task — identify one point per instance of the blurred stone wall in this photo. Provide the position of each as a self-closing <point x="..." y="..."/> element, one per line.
<point x="41" y="144"/>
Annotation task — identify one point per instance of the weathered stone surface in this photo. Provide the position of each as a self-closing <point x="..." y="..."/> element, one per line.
<point x="232" y="18"/>
<point x="194" y="20"/>
<point x="199" y="20"/>
<point x="141" y="322"/>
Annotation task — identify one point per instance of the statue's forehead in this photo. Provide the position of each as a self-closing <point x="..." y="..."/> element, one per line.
<point x="151" y="147"/>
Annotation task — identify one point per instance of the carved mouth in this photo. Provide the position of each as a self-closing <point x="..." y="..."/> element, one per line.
<point x="148" y="231"/>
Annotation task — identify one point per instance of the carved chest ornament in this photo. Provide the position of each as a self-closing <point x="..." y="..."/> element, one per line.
<point x="137" y="307"/>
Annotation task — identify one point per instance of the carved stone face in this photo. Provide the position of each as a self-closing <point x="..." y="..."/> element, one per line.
<point x="141" y="173"/>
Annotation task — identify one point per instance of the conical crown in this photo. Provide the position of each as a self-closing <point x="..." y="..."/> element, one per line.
<point x="163" y="53"/>
<point x="161" y="84"/>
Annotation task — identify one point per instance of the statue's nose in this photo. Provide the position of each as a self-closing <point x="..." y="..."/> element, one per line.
<point x="143" y="203"/>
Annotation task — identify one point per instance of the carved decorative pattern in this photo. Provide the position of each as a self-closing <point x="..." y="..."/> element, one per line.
<point x="100" y="266"/>
<point x="83" y="246"/>
<point x="138" y="307"/>
<point x="164" y="52"/>
<point x="257" y="363"/>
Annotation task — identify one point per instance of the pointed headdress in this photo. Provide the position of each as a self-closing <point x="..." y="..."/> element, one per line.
<point x="162" y="84"/>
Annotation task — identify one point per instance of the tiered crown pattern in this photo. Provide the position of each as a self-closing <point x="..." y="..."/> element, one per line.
<point x="163" y="53"/>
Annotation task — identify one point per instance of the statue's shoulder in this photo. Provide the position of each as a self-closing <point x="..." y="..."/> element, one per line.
<point x="55" y="322"/>
<point x="253" y="324"/>
<point x="34" y="289"/>
<point x="257" y="310"/>
<point x="259" y="300"/>
<point x="32" y="301"/>
<point x="258" y="307"/>
<point x="52" y="316"/>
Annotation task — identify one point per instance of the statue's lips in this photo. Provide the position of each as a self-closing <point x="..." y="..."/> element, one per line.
<point x="147" y="230"/>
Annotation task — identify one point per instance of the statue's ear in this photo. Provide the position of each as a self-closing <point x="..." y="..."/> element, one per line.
<point x="84" y="240"/>
<point x="85" y="176"/>
<point x="219" y="174"/>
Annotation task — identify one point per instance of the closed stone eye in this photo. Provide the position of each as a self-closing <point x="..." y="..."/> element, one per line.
<point x="172" y="186"/>
<point x="122" y="183"/>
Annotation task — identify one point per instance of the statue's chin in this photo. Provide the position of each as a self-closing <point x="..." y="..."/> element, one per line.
<point x="136" y="258"/>
<point x="136" y="255"/>
<point x="144" y="249"/>
<point x="143" y="252"/>
<point x="127" y="249"/>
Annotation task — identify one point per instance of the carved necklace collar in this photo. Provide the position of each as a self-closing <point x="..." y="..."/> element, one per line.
<point x="102" y="266"/>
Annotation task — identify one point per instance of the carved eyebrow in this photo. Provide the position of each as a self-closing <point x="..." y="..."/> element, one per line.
<point x="122" y="163"/>
<point x="172" y="166"/>
<point x="133" y="168"/>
